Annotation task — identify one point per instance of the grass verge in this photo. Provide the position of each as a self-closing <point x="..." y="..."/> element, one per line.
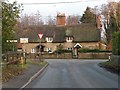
<point x="10" y="71"/>
<point x="111" y="66"/>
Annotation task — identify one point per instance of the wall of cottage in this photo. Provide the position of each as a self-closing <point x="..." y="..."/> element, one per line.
<point x="29" y="46"/>
<point x="90" y="45"/>
<point x="53" y="46"/>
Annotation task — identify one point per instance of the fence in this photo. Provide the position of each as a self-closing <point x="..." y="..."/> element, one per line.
<point x="12" y="58"/>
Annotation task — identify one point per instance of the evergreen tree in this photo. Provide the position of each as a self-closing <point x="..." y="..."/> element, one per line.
<point x="10" y="14"/>
<point x="88" y="16"/>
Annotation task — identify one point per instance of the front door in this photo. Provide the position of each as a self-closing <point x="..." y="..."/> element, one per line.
<point x="40" y="48"/>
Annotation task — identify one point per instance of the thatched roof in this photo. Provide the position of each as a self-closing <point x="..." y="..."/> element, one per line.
<point x="80" y="33"/>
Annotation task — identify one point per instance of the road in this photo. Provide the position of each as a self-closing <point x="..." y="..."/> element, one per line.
<point x="75" y="74"/>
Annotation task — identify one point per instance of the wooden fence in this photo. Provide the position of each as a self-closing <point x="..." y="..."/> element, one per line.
<point x="12" y="58"/>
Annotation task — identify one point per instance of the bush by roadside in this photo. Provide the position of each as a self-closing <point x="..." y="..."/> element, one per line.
<point x="114" y="64"/>
<point x="116" y="43"/>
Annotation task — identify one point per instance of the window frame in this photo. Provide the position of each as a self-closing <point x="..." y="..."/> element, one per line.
<point x="49" y="39"/>
<point x="69" y="39"/>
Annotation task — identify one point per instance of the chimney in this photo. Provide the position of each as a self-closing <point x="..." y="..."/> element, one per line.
<point x="61" y="19"/>
<point x="98" y="22"/>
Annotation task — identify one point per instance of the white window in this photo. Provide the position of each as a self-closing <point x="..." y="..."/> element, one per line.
<point x="32" y="50"/>
<point x="69" y="39"/>
<point x="49" y="39"/>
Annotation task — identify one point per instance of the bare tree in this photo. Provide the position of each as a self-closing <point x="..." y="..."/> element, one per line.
<point x="73" y="20"/>
<point x="111" y="13"/>
<point x="38" y="18"/>
<point x="51" y="20"/>
<point x="32" y="19"/>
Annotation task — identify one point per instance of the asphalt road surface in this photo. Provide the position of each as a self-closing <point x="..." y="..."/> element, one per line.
<point x="63" y="73"/>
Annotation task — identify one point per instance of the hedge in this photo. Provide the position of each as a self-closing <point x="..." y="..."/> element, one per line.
<point x="85" y="50"/>
<point x="82" y="50"/>
<point x="116" y="43"/>
<point x="63" y="51"/>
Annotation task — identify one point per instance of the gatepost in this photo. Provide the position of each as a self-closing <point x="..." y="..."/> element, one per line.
<point x="24" y="41"/>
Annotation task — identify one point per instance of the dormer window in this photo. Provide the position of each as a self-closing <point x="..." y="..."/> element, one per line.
<point x="49" y="39"/>
<point x="69" y="39"/>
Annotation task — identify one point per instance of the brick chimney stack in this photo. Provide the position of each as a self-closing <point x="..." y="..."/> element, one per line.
<point x="98" y="22"/>
<point x="61" y="19"/>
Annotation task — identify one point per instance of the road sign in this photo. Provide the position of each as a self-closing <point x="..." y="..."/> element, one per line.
<point x="23" y="40"/>
<point x="40" y="35"/>
<point x="12" y="41"/>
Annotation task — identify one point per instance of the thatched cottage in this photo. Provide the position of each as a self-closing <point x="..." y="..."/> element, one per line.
<point x="70" y="37"/>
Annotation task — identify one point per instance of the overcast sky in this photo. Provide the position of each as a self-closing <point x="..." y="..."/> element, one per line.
<point x="52" y="9"/>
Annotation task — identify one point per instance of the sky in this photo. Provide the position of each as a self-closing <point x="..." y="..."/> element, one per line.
<point x="52" y="9"/>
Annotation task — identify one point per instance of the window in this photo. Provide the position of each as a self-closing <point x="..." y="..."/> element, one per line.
<point x="69" y="48"/>
<point x="49" y="50"/>
<point x="49" y="39"/>
<point x="32" y="50"/>
<point x="69" y="39"/>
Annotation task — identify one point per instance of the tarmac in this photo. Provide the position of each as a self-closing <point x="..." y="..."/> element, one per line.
<point x="25" y="78"/>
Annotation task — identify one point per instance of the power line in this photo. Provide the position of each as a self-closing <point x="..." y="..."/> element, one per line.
<point x="60" y="2"/>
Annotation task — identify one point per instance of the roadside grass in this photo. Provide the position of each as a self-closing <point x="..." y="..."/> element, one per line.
<point x="0" y="75"/>
<point x="37" y="62"/>
<point x="10" y="71"/>
<point x="111" y="66"/>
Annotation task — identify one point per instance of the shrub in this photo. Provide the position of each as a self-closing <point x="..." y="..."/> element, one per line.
<point x="66" y="51"/>
<point x="116" y="43"/>
<point x="60" y="51"/>
<point x="85" y="50"/>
